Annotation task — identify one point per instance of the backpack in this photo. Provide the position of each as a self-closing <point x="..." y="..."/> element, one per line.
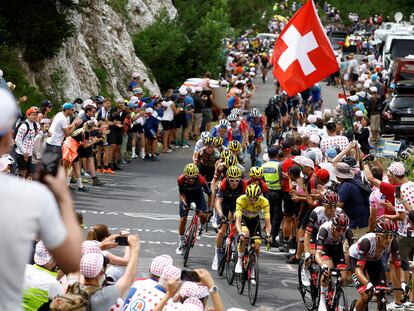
<point x="16" y="129"/>
<point x="75" y="299"/>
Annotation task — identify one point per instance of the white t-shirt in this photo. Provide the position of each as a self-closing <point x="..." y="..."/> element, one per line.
<point x="169" y="113"/>
<point x="28" y="211"/>
<point x="330" y="141"/>
<point x="144" y="298"/>
<point x="60" y="122"/>
<point x="44" y="283"/>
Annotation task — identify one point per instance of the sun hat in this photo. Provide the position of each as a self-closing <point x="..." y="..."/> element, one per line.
<point x="41" y="255"/>
<point x="307" y="162"/>
<point x="192" y="289"/>
<point x="159" y="263"/>
<point x="194" y="303"/>
<point x="91" y="265"/>
<point x="343" y="170"/>
<point x="90" y="247"/>
<point x="171" y="272"/>
<point x="397" y="169"/>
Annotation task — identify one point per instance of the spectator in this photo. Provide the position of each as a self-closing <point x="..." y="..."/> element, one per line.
<point x="45" y="110"/>
<point x="333" y="139"/>
<point x="37" y="214"/>
<point x="61" y="128"/>
<point x="39" y="144"/>
<point x="40" y="285"/>
<point x="135" y="82"/>
<point x="181" y="121"/>
<point x="151" y="134"/>
<point x="102" y="161"/>
<point x="198" y="115"/>
<point x="167" y="122"/>
<point x="116" y="118"/>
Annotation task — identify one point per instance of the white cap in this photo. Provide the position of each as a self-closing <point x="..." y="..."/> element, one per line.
<point x="9" y="111"/>
<point x="133" y="99"/>
<point x="367" y="84"/>
<point x="341" y="101"/>
<point x="183" y="92"/>
<point x="315" y="139"/>
<point x="361" y="79"/>
<point x="135" y="74"/>
<point x="311" y="118"/>
<point x="359" y="113"/>
<point x="354" y="98"/>
<point x="373" y="89"/>
<point x="149" y="110"/>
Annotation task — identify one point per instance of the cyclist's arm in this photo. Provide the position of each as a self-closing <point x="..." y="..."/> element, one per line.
<point x="238" y="214"/>
<point x="363" y="249"/>
<point x="196" y="157"/>
<point x="309" y="229"/>
<point x="218" y="206"/>
<point x="181" y="190"/>
<point x="320" y="247"/>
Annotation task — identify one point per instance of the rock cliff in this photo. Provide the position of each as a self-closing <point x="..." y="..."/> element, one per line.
<point x="100" y="55"/>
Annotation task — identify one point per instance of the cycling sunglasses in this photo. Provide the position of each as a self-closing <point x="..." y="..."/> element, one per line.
<point x="388" y="235"/>
<point x="254" y="198"/>
<point x="330" y="205"/>
<point x="190" y="178"/>
<point x="339" y="229"/>
<point x="234" y="180"/>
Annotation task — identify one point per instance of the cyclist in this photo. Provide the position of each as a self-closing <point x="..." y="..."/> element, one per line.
<point x="317" y="217"/>
<point x="237" y="128"/>
<point x="191" y="186"/>
<point x="231" y="187"/>
<point x="257" y="177"/>
<point x="256" y="126"/>
<point x="218" y="143"/>
<point x="206" y="159"/>
<point x="248" y="208"/>
<point x="330" y="252"/>
<point x="200" y="143"/>
<point x="272" y="114"/>
<point x="223" y="130"/>
<point x="235" y="148"/>
<point x="366" y="255"/>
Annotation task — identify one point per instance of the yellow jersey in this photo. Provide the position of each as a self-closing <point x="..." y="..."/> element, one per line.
<point x="244" y="207"/>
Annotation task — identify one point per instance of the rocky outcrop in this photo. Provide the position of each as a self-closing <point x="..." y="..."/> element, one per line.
<point x="99" y="55"/>
<point x="142" y="13"/>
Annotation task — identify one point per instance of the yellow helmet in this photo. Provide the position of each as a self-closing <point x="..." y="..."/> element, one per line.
<point x="190" y="170"/>
<point x="256" y="171"/>
<point x="208" y="141"/>
<point x="231" y="161"/>
<point x="234" y="172"/>
<point x="218" y="141"/>
<point x="235" y="145"/>
<point x="253" y="190"/>
<point x="225" y="153"/>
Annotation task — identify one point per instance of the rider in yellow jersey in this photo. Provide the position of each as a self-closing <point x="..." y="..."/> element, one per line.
<point x="248" y="208"/>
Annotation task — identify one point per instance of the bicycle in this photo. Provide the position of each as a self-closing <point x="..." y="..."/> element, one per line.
<point x="335" y="297"/>
<point x="309" y="288"/>
<point x="250" y="271"/>
<point x="227" y="250"/>
<point x="381" y="293"/>
<point x="190" y="235"/>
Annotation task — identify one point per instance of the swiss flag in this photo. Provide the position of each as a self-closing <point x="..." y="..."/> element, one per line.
<point x="303" y="54"/>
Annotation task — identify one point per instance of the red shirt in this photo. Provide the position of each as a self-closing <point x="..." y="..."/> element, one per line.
<point x="388" y="190"/>
<point x="286" y="164"/>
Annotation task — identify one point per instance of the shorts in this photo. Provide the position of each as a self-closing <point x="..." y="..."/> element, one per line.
<point x="405" y="246"/>
<point x="375" y="122"/>
<point x="137" y="128"/>
<point x="258" y="133"/>
<point x="375" y="271"/>
<point x="207" y="115"/>
<point x="336" y="253"/>
<point x="150" y="134"/>
<point x="115" y="137"/>
<point x="354" y="77"/>
<point x="181" y="121"/>
<point x="200" y="202"/>
<point x="206" y="171"/>
<point x="54" y="149"/>
<point x="228" y="207"/>
<point x="288" y="204"/>
<point x="253" y="225"/>
<point x="198" y="117"/>
<point x="85" y="152"/>
<point x="167" y="125"/>
<point x="23" y="165"/>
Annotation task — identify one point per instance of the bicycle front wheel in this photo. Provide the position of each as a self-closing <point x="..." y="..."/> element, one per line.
<point x="222" y="261"/>
<point x="306" y="288"/>
<point x="253" y="278"/>
<point x="188" y="243"/>
<point x="340" y="302"/>
<point x="231" y="261"/>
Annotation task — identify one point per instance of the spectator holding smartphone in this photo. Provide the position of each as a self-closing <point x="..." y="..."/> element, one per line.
<point x="46" y="214"/>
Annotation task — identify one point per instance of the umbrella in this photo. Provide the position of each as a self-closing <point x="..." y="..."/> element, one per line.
<point x="194" y="82"/>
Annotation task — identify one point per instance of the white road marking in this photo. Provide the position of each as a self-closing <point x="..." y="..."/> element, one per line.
<point x="288" y="306"/>
<point x="166" y="202"/>
<point x="146" y="200"/>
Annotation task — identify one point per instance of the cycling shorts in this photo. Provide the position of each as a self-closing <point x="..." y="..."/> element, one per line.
<point x="200" y="203"/>
<point x="228" y="207"/>
<point x="253" y="225"/>
<point x="374" y="269"/>
<point x="334" y="252"/>
<point x="258" y="133"/>
<point x="238" y="138"/>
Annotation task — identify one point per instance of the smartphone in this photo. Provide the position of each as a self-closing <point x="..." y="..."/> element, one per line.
<point x="398" y="192"/>
<point x="192" y="276"/>
<point x="122" y="240"/>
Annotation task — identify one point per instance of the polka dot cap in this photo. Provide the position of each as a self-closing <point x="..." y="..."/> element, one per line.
<point x="90" y="247"/>
<point x="193" y="304"/>
<point x="171" y="272"/>
<point x="397" y="169"/>
<point x="41" y="255"/>
<point x="159" y="263"/>
<point x="91" y="264"/>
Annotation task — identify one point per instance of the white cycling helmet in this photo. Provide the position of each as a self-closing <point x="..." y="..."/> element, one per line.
<point x="205" y="135"/>
<point x="255" y="113"/>
<point x="224" y="123"/>
<point x="232" y="117"/>
<point x="236" y="111"/>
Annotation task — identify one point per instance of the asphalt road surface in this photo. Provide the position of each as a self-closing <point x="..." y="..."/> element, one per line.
<point x="143" y="198"/>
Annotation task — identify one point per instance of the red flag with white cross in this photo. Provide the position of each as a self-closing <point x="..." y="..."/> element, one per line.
<point x="303" y="55"/>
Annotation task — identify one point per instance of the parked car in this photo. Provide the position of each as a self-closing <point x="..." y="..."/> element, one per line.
<point x="398" y="114"/>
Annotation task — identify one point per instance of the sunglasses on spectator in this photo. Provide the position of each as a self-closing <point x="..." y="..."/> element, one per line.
<point x="234" y="180"/>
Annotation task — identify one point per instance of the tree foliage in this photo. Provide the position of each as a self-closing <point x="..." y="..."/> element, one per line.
<point x="39" y="27"/>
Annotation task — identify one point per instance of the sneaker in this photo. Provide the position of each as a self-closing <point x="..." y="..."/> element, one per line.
<point x="292" y="260"/>
<point x="322" y="306"/>
<point x="155" y="158"/>
<point x="108" y="171"/>
<point x="284" y="249"/>
<point x="116" y="167"/>
<point x="305" y="277"/>
<point x="172" y="147"/>
<point x="142" y="155"/>
<point x="200" y="230"/>
<point x="97" y="182"/>
<point x="179" y="250"/>
<point x="147" y="158"/>
<point x="214" y="221"/>
<point x="214" y="265"/>
<point x="409" y="306"/>
<point x="134" y="156"/>
<point x="238" y="268"/>
<point x="83" y="189"/>
<point x="186" y="146"/>
<point x="177" y="146"/>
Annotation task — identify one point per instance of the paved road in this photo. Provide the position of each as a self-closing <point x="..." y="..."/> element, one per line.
<point x="143" y="199"/>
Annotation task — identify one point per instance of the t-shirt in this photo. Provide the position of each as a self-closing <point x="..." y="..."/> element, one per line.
<point x="24" y="219"/>
<point x="104" y="298"/>
<point x="39" y="286"/>
<point x="330" y="141"/>
<point x="407" y="194"/>
<point x="136" y="288"/>
<point x="145" y="298"/>
<point x="60" y="122"/>
<point x="286" y="164"/>
<point x="355" y="204"/>
<point x="25" y="138"/>
<point x="375" y="199"/>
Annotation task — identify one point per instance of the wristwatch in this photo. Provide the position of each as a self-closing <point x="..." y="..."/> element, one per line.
<point x="213" y="289"/>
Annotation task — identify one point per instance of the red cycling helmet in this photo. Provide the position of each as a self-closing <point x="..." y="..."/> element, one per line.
<point x="330" y="197"/>
<point x="340" y="221"/>
<point x="384" y="225"/>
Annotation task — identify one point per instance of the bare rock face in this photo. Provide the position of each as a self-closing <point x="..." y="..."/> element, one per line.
<point x="142" y="13"/>
<point x="100" y="54"/>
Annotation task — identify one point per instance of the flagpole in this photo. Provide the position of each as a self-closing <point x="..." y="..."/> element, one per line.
<point x="347" y="105"/>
